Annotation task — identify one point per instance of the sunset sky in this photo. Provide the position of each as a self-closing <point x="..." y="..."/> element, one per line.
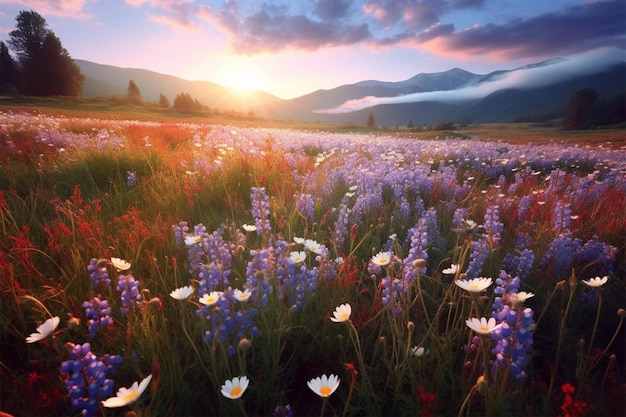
<point x="291" y="48"/>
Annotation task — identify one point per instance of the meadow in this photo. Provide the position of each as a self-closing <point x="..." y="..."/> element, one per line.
<point x="146" y="264"/>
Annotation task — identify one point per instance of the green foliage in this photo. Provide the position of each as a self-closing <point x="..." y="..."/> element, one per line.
<point x="134" y="94"/>
<point x="444" y="126"/>
<point x="58" y="210"/>
<point x="46" y="66"/>
<point x="163" y="101"/>
<point x="10" y="75"/>
<point x="579" y="109"/>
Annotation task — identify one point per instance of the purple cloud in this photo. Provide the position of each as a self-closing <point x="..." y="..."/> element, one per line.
<point x="575" y="29"/>
<point x="273" y="28"/>
<point x="419" y="24"/>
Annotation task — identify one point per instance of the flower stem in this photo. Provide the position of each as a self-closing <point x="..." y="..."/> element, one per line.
<point x="324" y="402"/>
<point x="243" y="410"/>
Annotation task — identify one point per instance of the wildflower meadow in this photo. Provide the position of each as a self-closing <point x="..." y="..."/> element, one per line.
<point x="197" y="269"/>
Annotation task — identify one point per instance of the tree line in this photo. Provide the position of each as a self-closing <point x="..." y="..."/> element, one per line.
<point x="43" y="67"/>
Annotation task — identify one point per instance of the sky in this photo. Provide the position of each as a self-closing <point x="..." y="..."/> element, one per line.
<point x="292" y="48"/>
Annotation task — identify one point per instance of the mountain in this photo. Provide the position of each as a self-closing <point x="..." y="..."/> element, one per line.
<point x="106" y="80"/>
<point x="424" y="99"/>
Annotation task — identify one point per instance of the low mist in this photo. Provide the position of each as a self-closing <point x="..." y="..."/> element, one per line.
<point x="559" y="70"/>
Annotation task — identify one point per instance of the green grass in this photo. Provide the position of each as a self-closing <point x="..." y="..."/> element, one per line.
<point x="60" y="209"/>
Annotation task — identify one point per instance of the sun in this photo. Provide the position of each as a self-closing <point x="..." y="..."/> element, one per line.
<point x="241" y="81"/>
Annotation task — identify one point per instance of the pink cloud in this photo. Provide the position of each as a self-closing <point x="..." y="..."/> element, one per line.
<point x="62" y="8"/>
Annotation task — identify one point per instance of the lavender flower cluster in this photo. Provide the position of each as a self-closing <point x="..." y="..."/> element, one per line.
<point x="514" y="339"/>
<point x="86" y="377"/>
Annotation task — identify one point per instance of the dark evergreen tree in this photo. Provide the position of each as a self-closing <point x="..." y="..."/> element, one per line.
<point x="134" y="94"/>
<point x="370" y="120"/>
<point x="46" y="66"/>
<point x="183" y="101"/>
<point x="163" y="101"/>
<point x="10" y="75"/>
<point x="579" y="108"/>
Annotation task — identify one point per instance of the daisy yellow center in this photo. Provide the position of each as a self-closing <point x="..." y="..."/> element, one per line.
<point x="383" y="260"/>
<point x="344" y="316"/>
<point x="129" y="396"/>
<point x="325" y="390"/>
<point x="484" y="329"/>
<point x="210" y="299"/>
<point x="242" y="296"/>
<point x="473" y="286"/>
<point x="235" y="391"/>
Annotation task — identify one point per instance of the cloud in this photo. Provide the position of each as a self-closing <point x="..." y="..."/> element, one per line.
<point x="62" y="8"/>
<point x="530" y="77"/>
<point x="273" y="29"/>
<point x="332" y="9"/>
<point x="575" y="29"/>
<point x="426" y="25"/>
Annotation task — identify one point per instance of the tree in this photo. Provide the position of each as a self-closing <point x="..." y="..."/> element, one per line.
<point x="29" y="35"/>
<point x="46" y="66"/>
<point x="183" y="101"/>
<point x="10" y="75"/>
<point x="134" y="95"/>
<point x="163" y="101"/>
<point x="579" y="108"/>
<point x="52" y="71"/>
<point x="370" y="120"/>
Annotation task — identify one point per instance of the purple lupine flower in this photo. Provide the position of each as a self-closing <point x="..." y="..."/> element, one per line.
<point x="520" y="262"/>
<point x="98" y="313"/>
<point x="98" y="275"/>
<point x="493" y="226"/>
<point x="340" y="228"/>
<point x="480" y="253"/>
<point x="85" y="378"/>
<point x="523" y="207"/>
<point x="562" y="252"/>
<point x="130" y="296"/>
<point x="305" y="204"/>
<point x="458" y="219"/>
<point x="228" y="321"/>
<point x="514" y="339"/>
<point x="261" y="211"/>
<point x="131" y="179"/>
<point x="283" y="411"/>
<point x="561" y="217"/>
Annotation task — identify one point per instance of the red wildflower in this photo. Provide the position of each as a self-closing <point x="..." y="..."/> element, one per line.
<point x="570" y="407"/>
<point x="427" y="400"/>
<point x="353" y="373"/>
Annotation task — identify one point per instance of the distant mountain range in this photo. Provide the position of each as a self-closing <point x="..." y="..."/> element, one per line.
<point x="425" y="99"/>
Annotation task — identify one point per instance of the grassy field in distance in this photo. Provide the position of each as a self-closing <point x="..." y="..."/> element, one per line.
<point x="105" y="108"/>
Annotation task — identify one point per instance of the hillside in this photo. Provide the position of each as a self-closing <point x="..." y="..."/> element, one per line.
<point x="495" y="105"/>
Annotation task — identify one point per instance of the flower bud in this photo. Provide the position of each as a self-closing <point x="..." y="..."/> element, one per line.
<point x="419" y="263"/>
<point x="72" y="322"/>
<point x="481" y="385"/>
<point x="244" y="344"/>
<point x="410" y="325"/>
<point x="621" y="313"/>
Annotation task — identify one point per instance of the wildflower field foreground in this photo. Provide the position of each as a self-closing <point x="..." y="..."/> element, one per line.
<point x="187" y="269"/>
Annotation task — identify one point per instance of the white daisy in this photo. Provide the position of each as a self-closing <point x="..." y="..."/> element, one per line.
<point x="128" y="395"/>
<point x="182" y="293"/>
<point x="324" y="386"/>
<point x="44" y="330"/>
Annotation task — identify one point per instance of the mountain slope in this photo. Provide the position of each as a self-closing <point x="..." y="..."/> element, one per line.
<point x="106" y="80"/>
<point x="503" y="104"/>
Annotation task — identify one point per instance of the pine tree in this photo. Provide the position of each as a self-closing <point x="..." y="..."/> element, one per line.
<point x="10" y="75"/>
<point x="134" y="95"/>
<point x="46" y="66"/>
